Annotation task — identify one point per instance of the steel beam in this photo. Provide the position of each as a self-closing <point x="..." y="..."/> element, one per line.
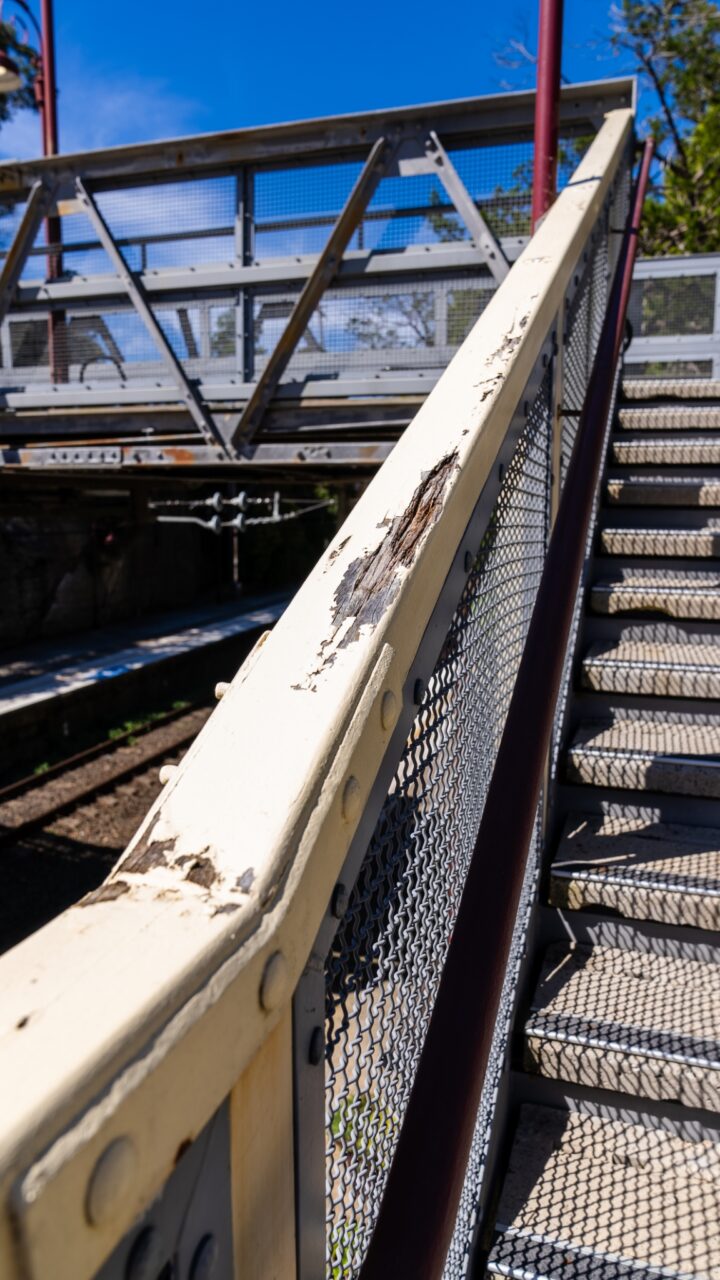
<point x="135" y="291"/>
<point x="479" y="121"/>
<point x="95" y="395"/>
<point x="325" y="268"/>
<point x="192" y="284"/>
<point x="293" y="456"/>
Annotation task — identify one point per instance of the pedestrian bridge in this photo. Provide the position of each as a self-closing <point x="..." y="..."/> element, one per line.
<point x="412" y="969"/>
<point x="281" y="298"/>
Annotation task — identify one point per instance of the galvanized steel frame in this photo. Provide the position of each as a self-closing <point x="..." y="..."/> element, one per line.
<point x="484" y="121"/>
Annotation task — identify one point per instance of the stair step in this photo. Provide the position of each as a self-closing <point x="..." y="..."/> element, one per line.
<point x="589" y="1197"/>
<point x="663" y="491"/>
<point x="703" y="542"/>
<point x="670" y="418"/>
<point x="628" y="1021"/>
<point x="672" y="452"/>
<point x="653" y="669"/>
<point x="639" y="868"/>
<point x="682" y="758"/>
<point x="671" y="388"/>
<point x="674" y="594"/>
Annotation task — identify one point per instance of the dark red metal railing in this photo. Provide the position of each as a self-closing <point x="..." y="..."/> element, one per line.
<point x="419" y="1207"/>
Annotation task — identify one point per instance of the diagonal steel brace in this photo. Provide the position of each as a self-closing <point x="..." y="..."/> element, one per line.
<point x="136" y="292"/>
<point x="315" y="286"/>
<point x="38" y="205"/>
<point x="433" y="158"/>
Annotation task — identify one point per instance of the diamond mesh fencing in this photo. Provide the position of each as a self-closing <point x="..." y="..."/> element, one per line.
<point x="384" y="967"/>
<point x="583" y="324"/>
<point x="582" y="333"/>
<point x="383" y="970"/>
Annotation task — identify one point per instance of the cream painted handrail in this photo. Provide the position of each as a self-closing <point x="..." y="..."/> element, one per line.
<point x="126" y="1021"/>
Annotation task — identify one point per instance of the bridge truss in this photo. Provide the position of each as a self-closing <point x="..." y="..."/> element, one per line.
<point x="280" y="298"/>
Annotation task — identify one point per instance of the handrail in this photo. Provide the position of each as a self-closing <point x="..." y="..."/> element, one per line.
<point x="419" y="1207"/>
<point x="132" y="1016"/>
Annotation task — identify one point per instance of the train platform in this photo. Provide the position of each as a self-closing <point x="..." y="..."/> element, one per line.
<point x="57" y="691"/>
<point x="54" y="670"/>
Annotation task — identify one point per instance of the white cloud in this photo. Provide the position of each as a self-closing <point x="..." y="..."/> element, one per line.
<point x="97" y="110"/>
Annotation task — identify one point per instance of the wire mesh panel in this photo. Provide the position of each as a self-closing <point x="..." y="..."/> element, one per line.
<point x="673" y="319"/>
<point x="583" y="326"/>
<point x="110" y="343"/>
<point x="583" y="323"/>
<point x="383" y="970"/>
<point x="399" y="324"/>
<point x="296" y="207"/>
<point x="584" y="316"/>
<point x="672" y="305"/>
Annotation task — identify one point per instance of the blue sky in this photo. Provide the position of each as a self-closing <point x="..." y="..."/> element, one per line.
<point x="139" y="71"/>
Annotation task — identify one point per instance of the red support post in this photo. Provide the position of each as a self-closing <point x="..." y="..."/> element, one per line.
<point x="547" y="107"/>
<point x="48" y="107"/>
<point x="57" y="353"/>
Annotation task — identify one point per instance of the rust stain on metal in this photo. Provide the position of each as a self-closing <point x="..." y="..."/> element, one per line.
<point x="178" y="455"/>
<point x="107" y="892"/>
<point x="371" y="582"/>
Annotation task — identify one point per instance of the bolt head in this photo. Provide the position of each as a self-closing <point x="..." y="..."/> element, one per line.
<point x="388" y="709"/>
<point x="146" y="1256"/>
<point x="351" y="799"/>
<point x="316" y="1050"/>
<point x="340" y="901"/>
<point x="221" y="688"/>
<point x="111" y="1181"/>
<point x="274" y="982"/>
<point x="204" y="1260"/>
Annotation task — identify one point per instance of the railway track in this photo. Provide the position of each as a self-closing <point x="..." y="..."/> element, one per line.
<point x="61" y="832"/>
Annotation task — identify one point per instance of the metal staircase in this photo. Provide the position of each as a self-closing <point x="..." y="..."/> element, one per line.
<point x="614" y="1163"/>
<point x="293" y="992"/>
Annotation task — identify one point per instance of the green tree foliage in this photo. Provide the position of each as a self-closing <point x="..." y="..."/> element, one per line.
<point x="26" y="59"/>
<point x="675" y="45"/>
<point x="222" y="337"/>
